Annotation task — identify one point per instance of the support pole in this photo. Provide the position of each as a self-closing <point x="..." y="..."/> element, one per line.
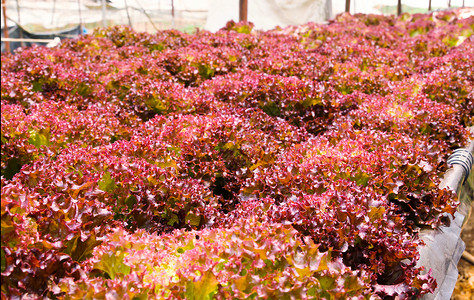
<point x="348" y="6"/>
<point x="148" y="16"/>
<point x="80" y="12"/>
<point x="128" y="15"/>
<point x="399" y="7"/>
<point x="19" y="21"/>
<point x="104" y="21"/>
<point x="54" y="11"/>
<point x="469" y="257"/>
<point x="429" y="5"/>
<point x="5" y="26"/>
<point x="243" y="10"/>
<point x="18" y="11"/>
<point x="172" y="14"/>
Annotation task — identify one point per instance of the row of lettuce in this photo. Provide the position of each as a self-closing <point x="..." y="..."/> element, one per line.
<point x="296" y="163"/>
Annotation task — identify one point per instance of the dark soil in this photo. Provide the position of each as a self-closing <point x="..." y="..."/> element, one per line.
<point x="464" y="289"/>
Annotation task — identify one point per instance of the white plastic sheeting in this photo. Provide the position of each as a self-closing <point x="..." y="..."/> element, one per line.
<point x="441" y="254"/>
<point x="61" y="13"/>
<point x="267" y="14"/>
<point x="444" y="246"/>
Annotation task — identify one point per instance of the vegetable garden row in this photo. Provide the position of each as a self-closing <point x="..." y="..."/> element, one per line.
<point x="296" y="163"/>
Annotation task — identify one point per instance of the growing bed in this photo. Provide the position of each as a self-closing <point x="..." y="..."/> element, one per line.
<point x="297" y="163"/>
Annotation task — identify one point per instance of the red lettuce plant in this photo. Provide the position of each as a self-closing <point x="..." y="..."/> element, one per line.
<point x="298" y="163"/>
<point x="219" y="150"/>
<point x="407" y="176"/>
<point x="249" y="259"/>
<point x="303" y="103"/>
<point x="49" y="127"/>
<point x="362" y="225"/>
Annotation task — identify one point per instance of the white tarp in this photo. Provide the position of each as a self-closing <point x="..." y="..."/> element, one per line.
<point x="267" y="14"/>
